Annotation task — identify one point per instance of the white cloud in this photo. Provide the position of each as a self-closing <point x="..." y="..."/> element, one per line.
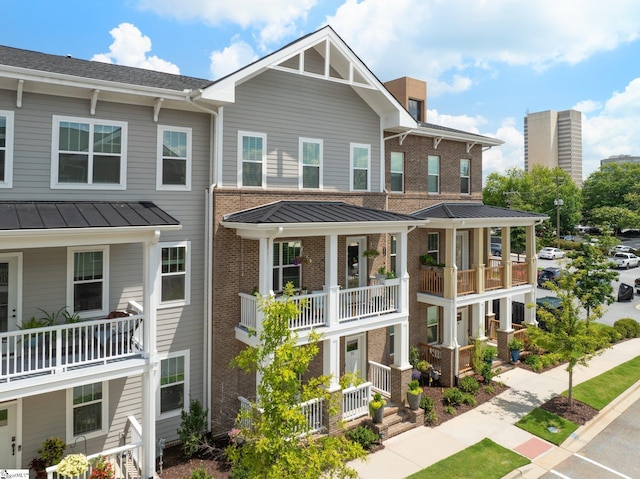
<point x="130" y="48"/>
<point x="230" y="59"/>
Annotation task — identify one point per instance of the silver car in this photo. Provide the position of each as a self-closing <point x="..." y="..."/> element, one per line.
<point x="551" y="253"/>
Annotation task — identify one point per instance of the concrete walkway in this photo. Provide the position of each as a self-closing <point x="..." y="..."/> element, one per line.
<point x="414" y="450"/>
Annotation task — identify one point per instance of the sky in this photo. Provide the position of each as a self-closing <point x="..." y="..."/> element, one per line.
<point x="487" y="63"/>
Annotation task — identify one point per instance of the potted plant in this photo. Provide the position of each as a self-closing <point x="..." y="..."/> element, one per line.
<point x="371" y="253"/>
<point x="423" y="366"/>
<point x="73" y="465"/>
<point x="382" y="274"/>
<point x="429" y="262"/>
<point x="414" y="394"/>
<point x="376" y="408"/>
<point x="51" y="453"/>
<point x="515" y="346"/>
<point x="489" y="354"/>
<point x="101" y="468"/>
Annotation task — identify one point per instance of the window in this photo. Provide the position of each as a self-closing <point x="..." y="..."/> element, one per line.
<point x="252" y="159"/>
<point x="88" y="153"/>
<point x="311" y="163"/>
<point x="393" y="255"/>
<point x="87" y="410"/>
<point x="392" y="334"/>
<point x="284" y="268"/>
<point x="174" y="158"/>
<point x="174" y="384"/>
<point x="433" y="332"/>
<point x="88" y="280"/>
<point x="175" y="264"/>
<point x="433" y="174"/>
<point x="415" y="109"/>
<point x="397" y="171"/>
<point x="360" y="158"/>
<point x="6" y="149"/>
<point x="465" y="177"/>
<point x="433" y="246"/>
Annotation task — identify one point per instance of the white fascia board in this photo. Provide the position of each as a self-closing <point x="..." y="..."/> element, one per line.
<point x="459" y="223"/>
<point x="46" y="238"/>
<point x="457" y="136"/>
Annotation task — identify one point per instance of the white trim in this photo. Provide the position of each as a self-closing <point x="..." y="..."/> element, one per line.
<point x="55" y="150"/>
<point x="159" y="161"/>
<point x="186" y="383"/>
<point x="241" y="135"/>
<point x="187" y="274"/>
<point x="367" y="147"/>
<point x="362" y="349"/>
<point x="8" y="150"/>
<point x="104" y="411"/>
<point x="71" y="251"/>
<point x="15" y="278"/>
<point x="301" y="165"/>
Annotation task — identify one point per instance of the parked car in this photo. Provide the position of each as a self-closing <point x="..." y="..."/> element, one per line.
<point x="548" y="274"/>
<point x="625" y="292"/>
<point x="637" y="285"/>
<point x="625" y="260"/>
<point x="551" y="253"/>
<point x="496" y="249"/>
<point x="623" y="249"/>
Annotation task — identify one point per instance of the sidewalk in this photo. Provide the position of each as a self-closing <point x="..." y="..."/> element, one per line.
<point x="414" y="450"/>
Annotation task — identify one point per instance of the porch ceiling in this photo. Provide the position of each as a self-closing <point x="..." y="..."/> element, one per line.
<point x="316" y="218"/>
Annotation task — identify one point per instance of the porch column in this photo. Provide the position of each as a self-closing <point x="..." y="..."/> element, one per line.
<point x="401" y="266"/>
<point x="150" y="353"/>
<point x="479" y="255"/>
<point x="477" y="321"/>
<point x="401" y="344"/>
<point x="530" y="313"/>
<point x="450" y="269"/>
<point x="265" y="275"/>
<point x="532" y="271"/>
<point x="506" y="255"/>
<point x="505" y="332"/>
<point x="331" y="362"/>
<point x="331" y="279"/>
<point x="449" y="326"/>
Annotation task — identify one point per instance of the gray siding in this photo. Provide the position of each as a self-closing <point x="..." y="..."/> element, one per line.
<point x="287" y="106"/>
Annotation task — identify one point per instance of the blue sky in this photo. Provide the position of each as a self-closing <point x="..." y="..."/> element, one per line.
<point x="486" y="62"/>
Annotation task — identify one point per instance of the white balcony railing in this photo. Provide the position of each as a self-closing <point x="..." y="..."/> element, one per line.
<point x="311" y="409"/>
<point x="355" y="401"/>
<point x="380" y="376"/>
<point x="56" y="349"/>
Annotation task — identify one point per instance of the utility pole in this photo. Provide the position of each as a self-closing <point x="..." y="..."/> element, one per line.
<point x="558" y="203"/>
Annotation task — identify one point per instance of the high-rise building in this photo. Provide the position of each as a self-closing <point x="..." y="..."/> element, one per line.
<point x="554" y="139"/>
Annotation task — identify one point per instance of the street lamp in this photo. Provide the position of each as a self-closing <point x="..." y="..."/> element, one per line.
<point x="558" y="202"/>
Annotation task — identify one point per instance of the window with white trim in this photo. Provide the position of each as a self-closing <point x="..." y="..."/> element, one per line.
<point x="392" y="340"/>
<point x="252" y="159"/>
<point x="174" y="158"/>
<point x="174" y="384"/>
<point x="310" y="163"/>
<point x="6" y="149"/>
<point x="397" y="171"/>
<point x="433" y="330"/>
<point x="360" y="166"/>
<point x="433" y="246"/>
<point x="88" y="280"/>
<point x="88" y="153"/>
<point x="465" y="177"/>
<point x="285" y="266"/>
<point x="87" y="410"/>
<point x="175" y="265"/>
<point x="393" y="254"/>
<point x="433" y="174"/>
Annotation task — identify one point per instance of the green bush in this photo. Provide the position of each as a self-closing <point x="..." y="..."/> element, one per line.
<point x="608" y="331"/>
<point x="430" y="417"/>
<point x="363" y="436"/>
<point x="200" y="473"/>
<point x="534" y="361"/>
<point x="470" y="385"/>
<point x="193" y="428"/>
<point x="487" y="373"/>
<point x="427" y="404"/>
<point x="469" y="399"/>
<point x="549" y="359"/>
<point x="627" y="327"/>
<point x="450" y="410"/>
<point x="453" y="396"/>
<point x="489" y="389"/>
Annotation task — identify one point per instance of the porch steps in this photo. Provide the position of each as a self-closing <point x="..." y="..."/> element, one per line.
<point x="398" y="419"/>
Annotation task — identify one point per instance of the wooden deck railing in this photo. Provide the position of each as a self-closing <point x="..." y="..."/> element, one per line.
<point x="519" y="273"/>
<point x="465" y="353"/>
<point x="432" y="354"/>
<point x="494" y="277"/>
<point x="432" y="281"/>
<point x="467" y="283"/>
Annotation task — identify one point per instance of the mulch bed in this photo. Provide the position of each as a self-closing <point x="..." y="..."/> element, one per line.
<point x="176" y="466"/>
<point x="580" y="413"/>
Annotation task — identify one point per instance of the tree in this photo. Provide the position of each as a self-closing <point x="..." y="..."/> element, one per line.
<point x="276" y="433"/>
<point x="614" y="218"/>
<point x="612" y="185"/>
<point x="593" y="277"/>
<point x="566" y="333"/>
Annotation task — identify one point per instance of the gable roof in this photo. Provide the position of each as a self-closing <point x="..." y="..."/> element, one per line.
<point x="341" y="65"/>
<point x="476" y="214"/>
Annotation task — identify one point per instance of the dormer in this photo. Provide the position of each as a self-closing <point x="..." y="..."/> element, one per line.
<point x="412" y="94"/>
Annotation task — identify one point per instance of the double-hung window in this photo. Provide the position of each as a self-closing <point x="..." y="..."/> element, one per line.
<point x="6" y="149"/>
<point x="433" y="174"/>
<point x="252" y="159"/>
<point x="88" y="280"/>
<point x="433" y="331"/>
<point x="393" y="254"/>
<point x="88" y="153"/>
<point x="174" y="383"/>
<point x="360" y="167"/>
<point x="285" y="267"/>
<point x="310" y="163"/>
<point x="397" y="172"/>
<point x="87" y="410"/>
<point x="465" y="177"/>
<point x="433" y="246"/>
<point x="174" y="158"/>
<point x="175" y="274"/>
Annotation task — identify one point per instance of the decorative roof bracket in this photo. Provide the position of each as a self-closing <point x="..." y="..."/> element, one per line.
<point x="436" y="141"/>
<point x="94" y="101"/>
<point x="156" y="108"/>
<point x="19" y="94"/>
<point x="470" y="145"/>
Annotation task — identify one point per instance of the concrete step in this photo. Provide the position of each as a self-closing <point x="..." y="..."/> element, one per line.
<point x="399" y="429"/>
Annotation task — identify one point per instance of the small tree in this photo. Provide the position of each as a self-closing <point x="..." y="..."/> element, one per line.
<point x="278" y="442"/>
<point x="572" y="337"/>
<point x="593" y="277"/>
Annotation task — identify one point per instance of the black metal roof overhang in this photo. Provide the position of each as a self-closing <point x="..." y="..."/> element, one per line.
<point x="315" y="218"/>
<point x="42" y="221"/>
<point x="476" y="214"/>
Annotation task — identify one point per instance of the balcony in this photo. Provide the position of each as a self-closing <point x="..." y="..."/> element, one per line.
<point x="55" y="350"/>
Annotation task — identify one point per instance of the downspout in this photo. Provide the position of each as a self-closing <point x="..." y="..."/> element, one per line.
<point x="214" y="137"/>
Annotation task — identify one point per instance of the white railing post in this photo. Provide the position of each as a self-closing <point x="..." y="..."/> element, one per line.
<point x="355" y="401"/>
<point x="380" y="376"/>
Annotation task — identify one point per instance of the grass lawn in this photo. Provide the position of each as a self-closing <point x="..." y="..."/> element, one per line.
<point x="484" y="460"/>
<point x="538" y="421"/>
<point x="601" y="390"/>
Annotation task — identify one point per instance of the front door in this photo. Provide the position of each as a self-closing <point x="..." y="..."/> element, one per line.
<point x="8" y="293"/>
<point x="462" y="250"/>
<point x="462" y="326"/>
<point x="9" y="451"/>
<point x="356" y="262"/>
<point x="354" y="355"/>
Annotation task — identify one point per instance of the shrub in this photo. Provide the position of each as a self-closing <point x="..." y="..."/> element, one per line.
<point x="534" y="361"/>
<point x="487" y="373"/>
<point x="608" y="331"/>
<point x="427" y="404"/>
<point x="430" y="417"/>
<point x="200" y="473"/>
<point x="489" y="389"/>
<point x="627" y="327"/>
<point x="450" y="410"/>
<point x="193" y="428"/>
<point x="364" y="436"/>
<point x="414" y="387"/>
<point x="51" y="453"/>
<point x="470" y="385"/>
<point x="550" y="359"/>
<point x="469" y="400"/>
<point x="453" y="396"/>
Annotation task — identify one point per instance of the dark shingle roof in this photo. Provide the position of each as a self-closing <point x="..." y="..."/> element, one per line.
<point x="27" y="215"/>
<point x="97" y="70"/>
<point x="472" y="211"/>
<point x="290" y="212"/>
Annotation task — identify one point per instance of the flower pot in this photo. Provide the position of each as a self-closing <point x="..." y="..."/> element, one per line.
<point x="414" y="400"/>
<point x="515" y="355"/>
<point x="377" y="415"/>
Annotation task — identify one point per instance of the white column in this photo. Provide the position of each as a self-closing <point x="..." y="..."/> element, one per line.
<point x="401" y="266"/>
<point x="505" y="314"/>
<point x="265" y="275"/>
<point x="331" y="278"/>
<point x="530" y="313"/>
<point x="477" y="321"/>
<point x="449" y="326"/>
<point x="401" y="345"/>
<point x="331" y="362"/>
